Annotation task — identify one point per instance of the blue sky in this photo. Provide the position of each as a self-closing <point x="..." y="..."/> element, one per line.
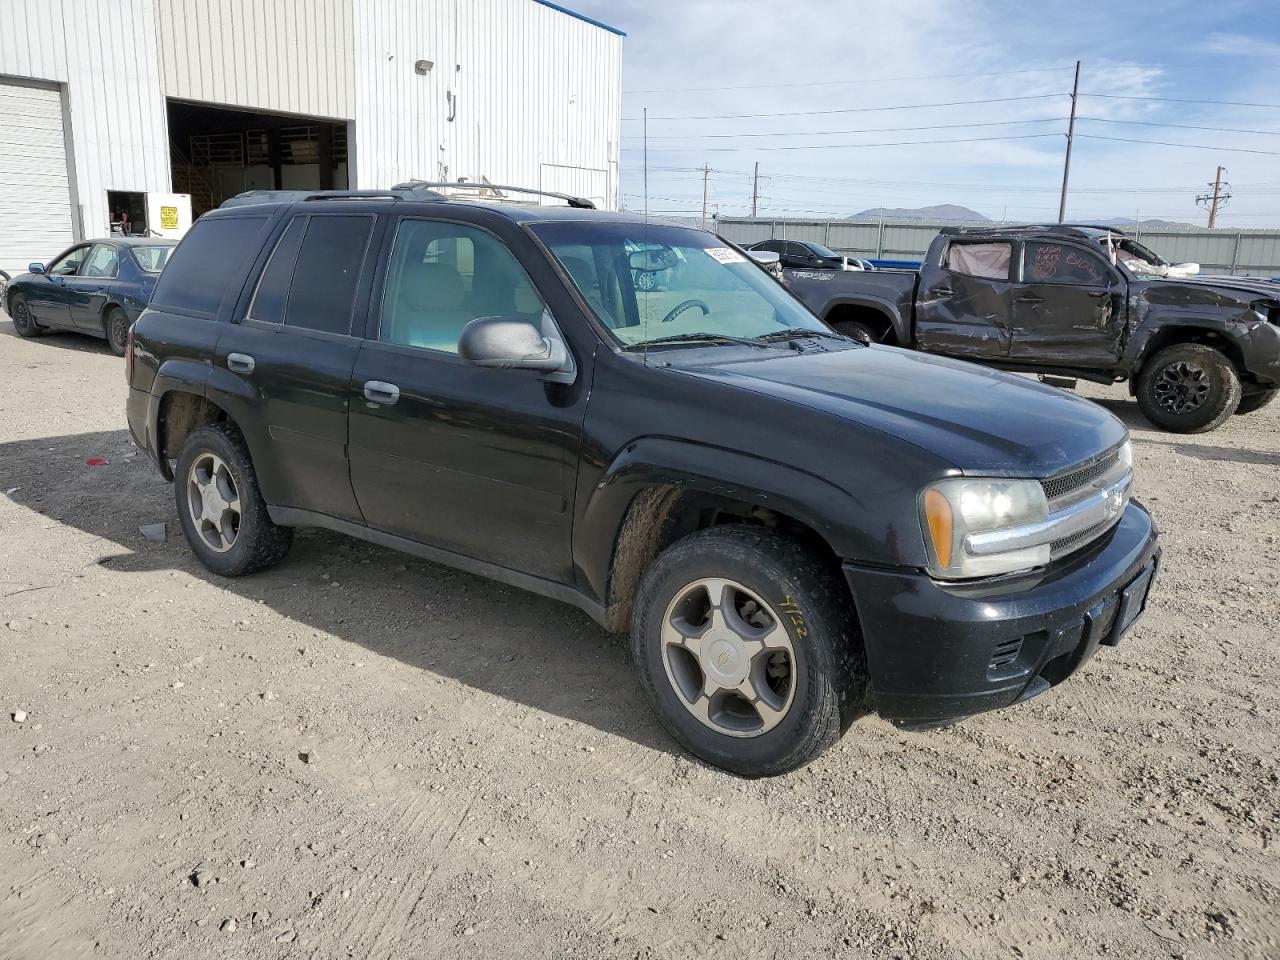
<point x="859" y="58"/>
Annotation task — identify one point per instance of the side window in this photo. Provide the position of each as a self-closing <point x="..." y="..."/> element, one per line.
<point x="444" y="275"/>
<point x="987" y="261"/>
<point x="68" y="265"/>
<point x="1056" y="263"/>
<point x="323" y="290"/>
<point x="103" y="262"/>
<point x="273" y="288"/>
<point x="206" y="265"/>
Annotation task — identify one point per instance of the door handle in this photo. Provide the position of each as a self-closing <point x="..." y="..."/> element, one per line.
<point x="240" y="363"/>
<point x="1099" y="294"/>
<point x="1030" y="298"/>
<point x="939" y="292"/>
<point x="378" y="391"/>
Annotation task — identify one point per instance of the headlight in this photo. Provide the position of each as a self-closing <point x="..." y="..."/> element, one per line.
<point x="1126" y="454"/>
<point x="952" y="509"/>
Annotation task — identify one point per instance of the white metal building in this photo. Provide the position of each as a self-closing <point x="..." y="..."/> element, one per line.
<point x="104" y="101"/>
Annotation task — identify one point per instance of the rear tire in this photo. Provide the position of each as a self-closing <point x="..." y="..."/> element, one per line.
<point x="1251" y="402"/>
<point x="1188" y="388"/>
<point x="24" y="324"/>
<point x="807" y="676"/>
<point x="116" y="326"/>
<point x="220" y="507"/>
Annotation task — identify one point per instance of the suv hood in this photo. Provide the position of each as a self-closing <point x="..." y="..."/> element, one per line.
<point x="981" y="421"/>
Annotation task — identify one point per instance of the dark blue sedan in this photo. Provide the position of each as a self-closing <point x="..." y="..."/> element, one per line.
<point x="98" y="287"/>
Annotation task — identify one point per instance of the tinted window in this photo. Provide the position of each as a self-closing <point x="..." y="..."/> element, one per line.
<point x="324" y="280"/>
<point x="273" y="288"/>
<point x="990" y="261"/>
<point x="1056" y="263"/>
<point x="102" y="263"/>
<point x="69" y="264"/>
<point x="444" y="275"/>
<point x="205" y="267"/>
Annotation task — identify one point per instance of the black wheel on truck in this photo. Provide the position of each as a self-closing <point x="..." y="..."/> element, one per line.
<point x="857" y="330"/>
<point x="1188" y="388"/>
<point x="1256" y="401"/>
<point x="220" y="507"/>
<point x="748" y="650"/>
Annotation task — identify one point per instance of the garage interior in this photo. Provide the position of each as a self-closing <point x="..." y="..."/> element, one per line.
<point x="218" y="152"/>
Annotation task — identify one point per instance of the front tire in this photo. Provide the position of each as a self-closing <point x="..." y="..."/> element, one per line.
<point x="116" y="326"/>
<point x="1256" y="401"/>
<point x="24" y="324"/>
<point x="220" y="507"/>
<point x="747" y="648"/>
<point x="857" y="330"/>
<point x="1188" y="388"/>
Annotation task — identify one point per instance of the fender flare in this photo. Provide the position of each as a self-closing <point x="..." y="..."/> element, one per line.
<point x="1138" y="349"/>
<point x="685" y="467"/>
<point x="886" y="307"/>
<point x="175" y="375"/>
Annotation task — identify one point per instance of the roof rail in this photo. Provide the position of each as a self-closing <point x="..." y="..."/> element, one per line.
<point x="250" y="197"/>
<point x="431" y="186"/>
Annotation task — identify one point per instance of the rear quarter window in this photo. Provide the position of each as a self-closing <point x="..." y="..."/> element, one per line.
<point x="207" y="265"/>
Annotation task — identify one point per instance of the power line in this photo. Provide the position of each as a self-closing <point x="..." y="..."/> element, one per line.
<point x="819" y="113"/>
<point x="845" y="146"/>
<point x="1182" y="126"/>
<point x="1219" y="103"/>
<point x="1188" y="146"/>
<point x="836" y="133"/>
<point x="842" y="83"/>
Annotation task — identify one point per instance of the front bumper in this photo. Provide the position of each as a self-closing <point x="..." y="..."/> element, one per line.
<point x="939" y="651"/>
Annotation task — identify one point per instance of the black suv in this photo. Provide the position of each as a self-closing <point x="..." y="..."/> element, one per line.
<point x="796" y="528"/>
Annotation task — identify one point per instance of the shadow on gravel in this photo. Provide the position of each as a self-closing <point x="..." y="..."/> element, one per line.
<point x="1262" y="458"/>
<point x="1126" y="410"/>
<point x="495" y="638"/>
<point x="67" y="340"/>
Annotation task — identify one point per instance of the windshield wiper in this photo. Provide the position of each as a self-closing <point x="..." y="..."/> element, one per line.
<point x="793" y="333"/>
<point x="700" y="338"/>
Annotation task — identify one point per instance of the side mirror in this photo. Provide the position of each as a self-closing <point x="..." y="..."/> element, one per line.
<point x="35" y="268"/>
<point x="514" y="343"/>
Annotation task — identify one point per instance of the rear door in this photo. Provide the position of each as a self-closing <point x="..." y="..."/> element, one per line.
<point x="964" y="304"/>
<point x="48" y="296"/>
<point x="289" y="357"/>
<point x="1068" y="306"/>
<point x="478" y="461"/>
<point x="89" y="290"/>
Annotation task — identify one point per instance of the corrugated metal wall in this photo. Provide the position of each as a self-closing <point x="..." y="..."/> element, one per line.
<point x="518" y="93"/>
<point x="1218" y="251"/>
<point x="108" y="63"/>
<point x="286" y="56"/>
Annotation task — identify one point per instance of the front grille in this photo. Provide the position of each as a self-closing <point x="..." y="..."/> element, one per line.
<point x="1064" y="484"/>
<point x="1060" y="548"/>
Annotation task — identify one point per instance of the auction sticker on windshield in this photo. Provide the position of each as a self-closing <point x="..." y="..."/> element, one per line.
<point x="724" y="255"/>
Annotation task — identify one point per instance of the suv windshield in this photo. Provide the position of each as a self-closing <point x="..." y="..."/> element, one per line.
<point x="152" y="259"/>
<point x="651" y="282"/>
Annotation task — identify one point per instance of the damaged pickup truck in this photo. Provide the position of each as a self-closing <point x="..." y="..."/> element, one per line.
<point x="1073" y="301"/>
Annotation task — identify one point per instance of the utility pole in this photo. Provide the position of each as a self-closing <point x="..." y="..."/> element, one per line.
<point x="1221" y="194"/>
<point x="755" y="189"/>
<point x="706" y="173"/>
<point x="1071" y="136"/>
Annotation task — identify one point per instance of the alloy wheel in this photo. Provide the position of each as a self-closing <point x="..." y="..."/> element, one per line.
<point x="22" y="315"/>
<point x="728" y="657"/>
<point x="1181" y="387"/>
<point x="213" y="502"/>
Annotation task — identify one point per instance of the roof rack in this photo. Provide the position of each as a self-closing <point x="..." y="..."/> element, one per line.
<point x="250" y="197"/>
<point x="480" y="186"/>
<point x="1022" y="227"/>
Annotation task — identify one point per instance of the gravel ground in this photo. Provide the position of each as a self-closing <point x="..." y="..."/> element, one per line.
<point x="360" y="754"/>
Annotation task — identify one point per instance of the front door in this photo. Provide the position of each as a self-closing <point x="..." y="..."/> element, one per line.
<point x="49" y="298"/>
<point x="474" y="460"/>
<point x="964" y="304"/>
<point x="291" y="355"/>
<point x="89" y="290"/>
<point x="1068" y="307"/>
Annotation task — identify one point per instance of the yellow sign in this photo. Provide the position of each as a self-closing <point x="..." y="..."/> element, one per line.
<point x="168" y="218"/>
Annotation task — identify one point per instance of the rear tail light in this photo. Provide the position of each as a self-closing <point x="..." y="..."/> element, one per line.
<point x="128" y="357"/>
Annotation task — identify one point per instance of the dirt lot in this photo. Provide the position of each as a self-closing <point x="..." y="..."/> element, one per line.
<point x="485" y="779"/>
